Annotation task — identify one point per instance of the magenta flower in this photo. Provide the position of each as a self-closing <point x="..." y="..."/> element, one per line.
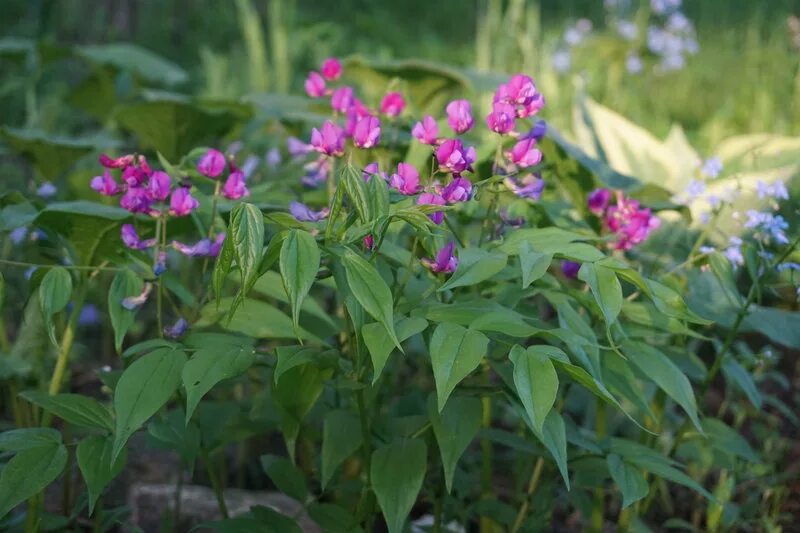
<point x="392" y="104"/>
<point x="342" y="99"/>
<point x="216" y="246"/>
<point x="315" y="85"/>
<point x="532" y="107"/>
<point x="136" y="200"/>
<point x="520" y="90"/>
<point x="131" y="239"/>
<point x="235" y="186"/>
<point x="181" y="203"/>
<point x="525" y="154"/>
<point x="367" y="132"/>
<point x="329" y="139"/>
<point x="373" y="170"/>
<point x="529" y="186"/>
<point x="331" y="68"/>
<point x="631" y="224"/>
<point x="297" y="148"/>
<point x="105" y="184"/>
<point x="134" y="302"/>
<point x="406" y="179"/>
<point x="177" y="329"/>
<point x="570" y="269"/>
<point x="598" y="201"/>
<point x="304" y="213"/>
<point x="426" y="131"/>
<point x="453" y="157"/>
<point x="211" y="164"/>
<point x="459" y="116"/>
<point x="458" y="190"/>
<point x="501" y="119"/>
<point x="369" y="241"/>
<point x="120" y="162"/>
<point x="158" y="188"/>
<point x="431" y="198"/>
<point x="134" y="176"/>
<point x="446" y="262"/>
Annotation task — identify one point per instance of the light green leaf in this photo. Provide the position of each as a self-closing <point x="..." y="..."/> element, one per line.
<point x="455" y="352"/>
<point x="341" y="437"/>
<point x="475" y="265"/>
<point x="605" y="287"/>
<point x="554" y="437"/>
<point x="455" y="427"/>
<point x="73" y="408"/>
<point x="533" y="264"/>
<point x="299" y="263"/>
<point x="398" y="470"/>
<point x="629" y="479"/>
<point x="125" y="284"/>
<point x="94" y="460"/>
<point x="208" y="366"/>
<point x="536" y="381"/>
<point x="380" y="344"/>
<point x="54" y="294"/>
<point x="29" y="472"/>
<point x="357" y="191"/>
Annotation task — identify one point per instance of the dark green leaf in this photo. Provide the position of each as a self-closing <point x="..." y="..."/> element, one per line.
<point x="286" y="476"/>
<point x="94" y="460"/>
<point x="454" y="427"/>
<point x="356" y="189"/>
<point x="533" y="264"/>
<point x="398" y="470"/>
<point x="125" y="284"/>
<point x="536" y="381"/>
<point x="605" y="287"/>
<point x="29" y="472"/>
<point x="380" y="344"/>
<point x="16" y="440"/>
<point x="299" y="263"/>
<point x="341" y="437"/>
<point x="455" y="352"/>
<point x="629" y="479"/>
<point x="54" y="294"/>
<point x="73" y="408"/>
<point x="208" y="366"/>
<point x="475" y="265"/>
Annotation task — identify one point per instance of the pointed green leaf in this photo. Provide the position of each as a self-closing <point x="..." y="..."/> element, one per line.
<point x="554" y="437"/>
<point x="455" y="427"/>
<point x="125" y="284"/>
<point x="54" y="295"/>
<point x="532" y="264"/>
<point x="455" y="352"/>
<point x="536" y="382"/>
<point x="380" y="344"/>
<point x="356" y="189"/>
<point x="341" y="437"/>
<point x="299" y="263"/>
<point x="208" y="366"/>
<point x="605" y="287"/>
<point x="475" y="265"/>
<point x="16" y="440"/>
<point x="286" y="476"/>
<point x="629" y="479"/>
<point x="29" y="472"/>
<point x="94" y="460"/>
<point x="398" y="470"/>
<point x="73" y="408"/>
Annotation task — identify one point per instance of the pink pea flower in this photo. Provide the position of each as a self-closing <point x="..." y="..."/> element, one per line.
<point x="570" y="269"/>
<point x="331" y="68"/>
<point x="329" y="139"/>
<point x="315" y="85"/>
<point x="177" y="329"/>
<point x="144" y="166"/>
<point x="136" y="200"/>
<point x="445" y="262"/>
<point x="373" y="170"/>
<point x="134" y="176"/>
<point x="501" y="119"/>
<point x="235" y="186"/>
<point x="354" y="114"/>
<point x="458" y="190"/>
<point x="529" y="186"/>
<point x="216" y="246"/>
<point x="297" y="148"/>
<point x="453" y="157"/>
<point x="181" y="203"/>
<point x="342" y="99"/>
<point x="120" y="162"/>
<point x="392" y="104"/>
<point x="426" y="131"/>
<point x="525" y="154"/>
<point x="431" y="198"/>
<point x="532" y="107"/>
<point x="369" y="241"/>
<point x="158" y="188"/>
<point x="134" y="302"/>
<point x="459" y="116"/>
<point x="367" y="132"/>
<point x="406" y="179"/>
<point x="200" y="248"/>
<point x="105" y="184"/>
<point x="131" y="239"/>
<point x="211" y="164"/>
<point x="303" y="213"/>
<point x="631" y="224"/>
<point x="520" y="90"/>
<point x="598" y="201"/>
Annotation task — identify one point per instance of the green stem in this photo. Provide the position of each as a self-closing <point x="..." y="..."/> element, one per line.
<point x="486" y="525"/>
<point x="67" y="340"/>
<point x="598" y="507"/>
<point x="215" y="484"/>
<point x="533" y="482"/>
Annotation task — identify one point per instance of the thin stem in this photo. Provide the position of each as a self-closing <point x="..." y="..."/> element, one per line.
<point x="533" y="482"/>
<point x="215" y="484"/>
<point x="486" y="456"/>
<point x="210" y="233"/>
<point x="67" y="339"/>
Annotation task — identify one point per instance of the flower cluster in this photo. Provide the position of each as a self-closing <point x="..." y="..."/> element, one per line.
<point x="626" y="219"/>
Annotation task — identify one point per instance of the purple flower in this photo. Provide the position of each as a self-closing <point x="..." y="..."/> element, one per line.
<point x="598" y="201"/>
<point x="429" y="198"/>
<point x="329" y="139"/>
<point x="105" y="184"/>
<point x="342" y="99"/>
<point x="216" y="246"/>
<point x="525" y="154"/>
<point x="367" y="132"/>
<point x="459" y="116"/>
<point x="120" y="162"/>
<point x="134" y="176"/>
<point x="235" y="186"/>
<point x="136" y="200"/>
<point x="158" y="188"/>
<point x="46" y="190"/>
<point x="272" y="158"/>
<point x="734" y="251"/>
<point x="537" y="132"/>
<point x="570" y="269"/>
<point x="177" y="329"/>
<point x="453" y="157"/>
<point x="426" y="131"/>
<point x="458" y="190"/>
<point x="316" y="172"/>
<point x="18" y="235"/>
<point x="211" y="164"/>
<point x="315" y="85"/>
<point x="373" y="170"/>
<point x="304" y="213"/>
<point x="369" y="241"/>
<point x="445" y="261"/>
<point x="181" y="203"/>
<point x="529" y="186"/>
<point x="161" y="263"/>
<point x="131" y="239"/>
<point x="502" y="118"/>
<point x="712" y="167"/>
<point x="392" y="104"/>
<point x="532" y="107"/>
<point x="406" y="179"/>
<point x="200" y="248"/>
<point x="297" y="148"/>
<point x="631" y="223"/>
<point x="134" y="302"/>
<point x="331" y="68"/>
<point x="89" y="315"/>
<point x="776" y="190"/>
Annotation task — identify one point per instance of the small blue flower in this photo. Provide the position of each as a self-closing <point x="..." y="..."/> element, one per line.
<point x="46" y="190"/>
<point x="712" y="167"/>
<point x="18" y="235"/>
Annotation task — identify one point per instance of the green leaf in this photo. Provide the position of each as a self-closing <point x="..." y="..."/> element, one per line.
<point x="254" y="318"/>
<point x="455" y="352"/>
<point x="50" y="155"/>
<point x="737" y="374"/>
<point x="16" y="440"/>
<point x="536" y="381"/>
<point x="371" y="291"/>
<point x="246" y="232"/>
<point x="629" y="479"/>
<point x="332" y="518"/>
<point x="73" y="408"/>
<point x="724" y="438"/>
<point x="663" y="372"/>
<point x="94" y="460"/>
<point x="125" y="284"/>
<point x="287" y="477"/>
<point x="532" y="264"/>
<point x="143" y="389"/>
<point x="29" y="472"/>
<point x="222" y="268"/>
<point x="356" y="189"/>
<point x="134" y="59"/>
<point x="661" y="468"/>
<point x="398" y="470"/>
<point x="208" y="366"/>
<point x="455" y="427"/>
<point x="723" y="271"/>
<point x="475" y="265"/>
<point x="54" y="294"/>
<point x="172" y="432"/>
<point x="299" y="263"/>
<point x="380" y="344"/>
<point x="341" y="437"/>
<point x="276" y="522"/>
<point x="554" y="437"/>
<point x="605" y="287"/>
<point x="378" y="197"/>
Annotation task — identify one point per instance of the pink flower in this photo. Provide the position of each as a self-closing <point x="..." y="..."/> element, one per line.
<point x="430" y="198"/>
<point x="134" y="176"/>
<point x="367" y="132"/>
<point x="532" y="107"/>
<point x="304" y="213"/>
<point x="369" y="242"/>
<point x="136" y="200"/>
<point x="598" y="201"/>
<point x="373" y="170"/>
<point x="105" y="184"/>
<point x="427" y="131"/>
<point x="216" y="246"/>
<point x="392" y="104"/>
<point x="120" y="162"/>
<point x="181" y="203"/>
<point x="200" y="248"/>
<point x="458" y="190"/>
<point x="235" y="186"/>
<point x="406" y="179"/>
<point x="159" y="186"/>
<point x="342" y="99"/>
<point x="453" y="157"/>
<point x="315" y="85"/>
<point x="134" y="302"/>
<point x="529" y="186"/>
<point x="131" y="239"/>
<point x="459" y="116"/>
<point x="329" y="139"/>
<point x="525" y="154"/>
<point x="331" y="68"/>
<point x="445" y="261"/>
<point x="297" y="148"/>
<point x="144" y="167"/>
<point x="520" y="90"/>
<point x="631" y="224"/>
<point x="211" y="164"/>
<point x="501" y="119"/>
